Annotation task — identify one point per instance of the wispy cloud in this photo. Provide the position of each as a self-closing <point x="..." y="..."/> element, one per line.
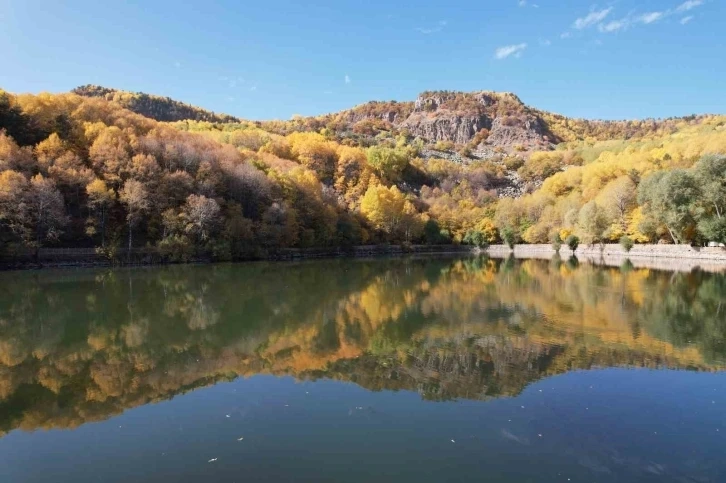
<point x="565" y="35"/>
<point x="430" y="30"/>
<point x="522" y="3"/>
<point x="593" y="18"/>
<point x="253" y="88"/>
<point x="347" y="79"/>
<point x="613" y="26"/>
<point x="545" y="42"/>
<point x="651" y="17"/>
<point x="507" y="50"/>
<point x="690" y="4"/>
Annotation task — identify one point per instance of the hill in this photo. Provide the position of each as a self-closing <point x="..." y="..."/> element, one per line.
<point x="96" y="170"/>
<point x="484" y="121"/>
<point x="155" y="107"/>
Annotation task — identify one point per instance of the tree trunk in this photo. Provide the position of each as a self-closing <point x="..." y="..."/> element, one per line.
<point x="675" y="240"/>
<point x="131" y="237"/>
<point x="103" y="227"/>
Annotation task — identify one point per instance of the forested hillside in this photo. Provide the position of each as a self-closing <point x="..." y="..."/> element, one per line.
<point x="155" y="107"/>
<point x="101" y="170"/>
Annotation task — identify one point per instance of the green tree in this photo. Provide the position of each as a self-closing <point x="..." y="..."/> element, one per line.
<point x="627" y="243"/>
<point x="592" y="222"/>
<point x="668" y="197"/>
<point x="573" y="242"/>
<point x="388" y="163"/>
<point x="710" y="174"/>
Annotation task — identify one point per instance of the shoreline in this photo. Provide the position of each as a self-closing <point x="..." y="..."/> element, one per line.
<point x="58" y="258"/>
<point x="662" y="257"/>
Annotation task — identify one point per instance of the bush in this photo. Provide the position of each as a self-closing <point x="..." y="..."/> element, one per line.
<point x="573" y="242"/>
<point x="513" y="163"/>
<point x="444" y="146"/>
<point x="476" y="238"/>
<point x="176" y="248"/>
<point x="556" y="242"/>
<point x="465" y="152"/>
<point x="434" y="235"/>
<point x="509" y="237"/>
<point x="627" y="243"/>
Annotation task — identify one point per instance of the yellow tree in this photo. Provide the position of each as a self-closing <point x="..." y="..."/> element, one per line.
<point x="315" y="152"/>
<point x="100" y="197"/>
<point x="388" y="210"/>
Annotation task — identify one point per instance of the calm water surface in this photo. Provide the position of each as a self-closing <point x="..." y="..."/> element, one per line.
<point x="388" y="370"/>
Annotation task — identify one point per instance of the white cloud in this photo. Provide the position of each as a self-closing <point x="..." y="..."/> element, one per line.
<point x="650" y="17"/>
<point x="686" y="6"/>
<point x="522" y="3"/>
<point x="430" y="30"/>
<point x="594" y="17"/>
<point x="347" y="79"/>
<point x="685" y="20"/>
<point x="507" y="50"/>
<point x="253" y="88"/>
<point x="613" y="26"/>
<point x="565" y="35"/>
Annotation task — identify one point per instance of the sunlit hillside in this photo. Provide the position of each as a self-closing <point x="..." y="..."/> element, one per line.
<point x="475" y="168"/>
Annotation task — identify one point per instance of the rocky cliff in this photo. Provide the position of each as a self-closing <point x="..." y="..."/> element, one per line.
<point x="483" y="120"/>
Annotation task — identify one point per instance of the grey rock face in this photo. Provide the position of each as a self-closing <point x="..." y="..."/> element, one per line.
<point x="445" y="126"/>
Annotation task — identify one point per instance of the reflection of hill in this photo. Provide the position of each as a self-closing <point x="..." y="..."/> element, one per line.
<point x="82" y="346"/>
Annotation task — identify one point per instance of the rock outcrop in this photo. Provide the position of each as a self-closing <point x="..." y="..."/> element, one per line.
<point x="493" y="120"/>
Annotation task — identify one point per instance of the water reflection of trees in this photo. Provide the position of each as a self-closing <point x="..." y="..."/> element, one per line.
<point x="79" y="346"/>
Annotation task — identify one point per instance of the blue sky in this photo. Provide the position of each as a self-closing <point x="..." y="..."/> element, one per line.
<point x="264" y="60"/>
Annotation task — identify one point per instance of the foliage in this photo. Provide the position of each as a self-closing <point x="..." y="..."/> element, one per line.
<point x="572" y="242"/>
<point x="509" y="237"/>
<point x="78" y="170"/>
<point x="627" y="243"/>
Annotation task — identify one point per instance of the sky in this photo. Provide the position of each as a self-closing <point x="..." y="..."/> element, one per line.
<point x="621" y="59"/>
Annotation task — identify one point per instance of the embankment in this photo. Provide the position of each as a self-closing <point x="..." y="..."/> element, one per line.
<point x="664" y="257"/>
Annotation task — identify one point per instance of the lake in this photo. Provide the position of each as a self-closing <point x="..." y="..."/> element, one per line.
<point x="403" y="369"/>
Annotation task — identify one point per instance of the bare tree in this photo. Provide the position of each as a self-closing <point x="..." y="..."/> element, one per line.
<point x="202" y="215"/>
<point x="136" y="199"/>
<point x="47" y="209"/>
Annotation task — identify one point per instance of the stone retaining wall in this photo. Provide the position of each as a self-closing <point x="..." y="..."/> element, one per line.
<point x="615" y="250"/>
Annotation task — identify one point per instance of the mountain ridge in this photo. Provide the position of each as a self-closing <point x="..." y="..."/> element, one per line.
<point x="485" y="121"/>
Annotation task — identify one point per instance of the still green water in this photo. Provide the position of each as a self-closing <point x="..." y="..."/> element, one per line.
<point x="439" y="369"/>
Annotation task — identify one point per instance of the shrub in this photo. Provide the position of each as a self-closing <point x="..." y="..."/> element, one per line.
<point x="465" y="152"/>
<point x="573" y="242"/>
<point x="627" y="243"/>
<point x="509" y="237"/>
<point x="556" y="242"/>
<point x="513" y="163"/>
<point x="444" y="146"/>
<point x="476" y="238"/>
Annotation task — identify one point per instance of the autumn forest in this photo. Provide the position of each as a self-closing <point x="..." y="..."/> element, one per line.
<point x="105" y="169"/>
